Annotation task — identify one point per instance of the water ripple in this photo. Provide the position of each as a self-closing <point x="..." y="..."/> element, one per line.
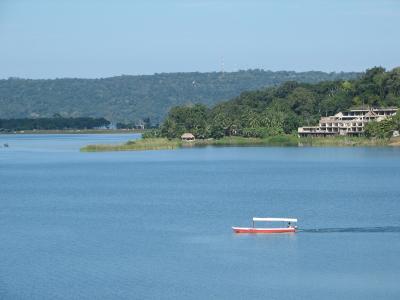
<point x="352" y="229"/>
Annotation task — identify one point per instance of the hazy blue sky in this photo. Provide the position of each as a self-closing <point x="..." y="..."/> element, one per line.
<point x="95" y="38"/>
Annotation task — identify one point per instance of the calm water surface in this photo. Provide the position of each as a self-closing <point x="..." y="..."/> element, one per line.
<point x="157" y="224"/>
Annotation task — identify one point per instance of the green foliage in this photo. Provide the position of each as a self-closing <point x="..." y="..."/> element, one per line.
<point x="57" y="123"/>
<point x="153" y="133"/>
<point x="186" y="119"/>
<point x="128" y="99"/>
<point x="384" y="128"/>
<point x="254" y="132"/>
<point x="281" y="110"/>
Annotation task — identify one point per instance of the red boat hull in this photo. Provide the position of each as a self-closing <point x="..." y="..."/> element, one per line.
<point x="263" y="230"/>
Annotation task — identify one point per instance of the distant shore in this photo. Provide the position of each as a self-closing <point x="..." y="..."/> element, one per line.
<point x="76" y="131"/>
<point x="282" y="141"/>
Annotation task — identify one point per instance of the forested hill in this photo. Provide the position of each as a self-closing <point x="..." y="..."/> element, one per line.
<point x="280" y="110"/>
<point x="132" y="98"/>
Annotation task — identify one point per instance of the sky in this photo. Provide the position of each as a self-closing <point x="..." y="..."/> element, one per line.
<point x="98" y="38"/>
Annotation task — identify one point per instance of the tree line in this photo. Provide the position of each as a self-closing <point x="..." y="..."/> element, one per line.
<point x="130" y="99"/>
<point x="282" y="109"/>
<point x="55" y="123"/>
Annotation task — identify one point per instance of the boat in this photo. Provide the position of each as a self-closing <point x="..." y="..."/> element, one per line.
<point x="288" y="229"/>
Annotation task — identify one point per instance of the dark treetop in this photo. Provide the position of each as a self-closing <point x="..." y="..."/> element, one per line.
<point x="55" y="123"/>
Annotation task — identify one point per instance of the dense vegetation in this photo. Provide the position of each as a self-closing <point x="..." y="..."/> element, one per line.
<point x="129" y="99"/>
<point x="281" y="110"/>
<point x="52" y="123"/>
<point x="383" y="129"/>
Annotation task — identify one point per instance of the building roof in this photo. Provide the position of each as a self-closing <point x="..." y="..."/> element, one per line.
<point x="360" y="109"/>
<point x="370" y="114"/>
<point x="187" y="135"/>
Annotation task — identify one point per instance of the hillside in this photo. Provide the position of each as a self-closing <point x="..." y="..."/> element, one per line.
<point x="133" y="98"/>
<point x="280" y="110"/>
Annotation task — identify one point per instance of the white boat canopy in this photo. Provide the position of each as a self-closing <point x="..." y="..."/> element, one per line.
<point x="255" y="219"/>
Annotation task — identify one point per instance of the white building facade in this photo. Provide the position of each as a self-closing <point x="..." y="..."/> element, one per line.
<point x="351" y="122"/>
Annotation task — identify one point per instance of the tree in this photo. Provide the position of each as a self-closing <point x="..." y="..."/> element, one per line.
<point x="384" y="128"/>
<point x="281" y="110"/>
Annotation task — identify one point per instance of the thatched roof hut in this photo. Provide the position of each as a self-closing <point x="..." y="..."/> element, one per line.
<point x="187" y="137"/>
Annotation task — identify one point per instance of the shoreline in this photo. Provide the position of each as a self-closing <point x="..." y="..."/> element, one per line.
<point x="274" y="141"/>
<point x="75" y="131"/>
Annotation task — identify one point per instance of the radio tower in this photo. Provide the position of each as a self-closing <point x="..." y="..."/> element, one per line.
<point x="222" y="65"/>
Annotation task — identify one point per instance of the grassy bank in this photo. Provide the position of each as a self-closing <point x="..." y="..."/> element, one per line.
<point x="395" y="142"/>
<point x="138" y="145"/>
<point x="342" y="141"/>
<point x="165" y="144"/>
<point x="286" y="140"/>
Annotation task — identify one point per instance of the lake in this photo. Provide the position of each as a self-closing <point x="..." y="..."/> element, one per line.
<point x="157" y="224"/>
